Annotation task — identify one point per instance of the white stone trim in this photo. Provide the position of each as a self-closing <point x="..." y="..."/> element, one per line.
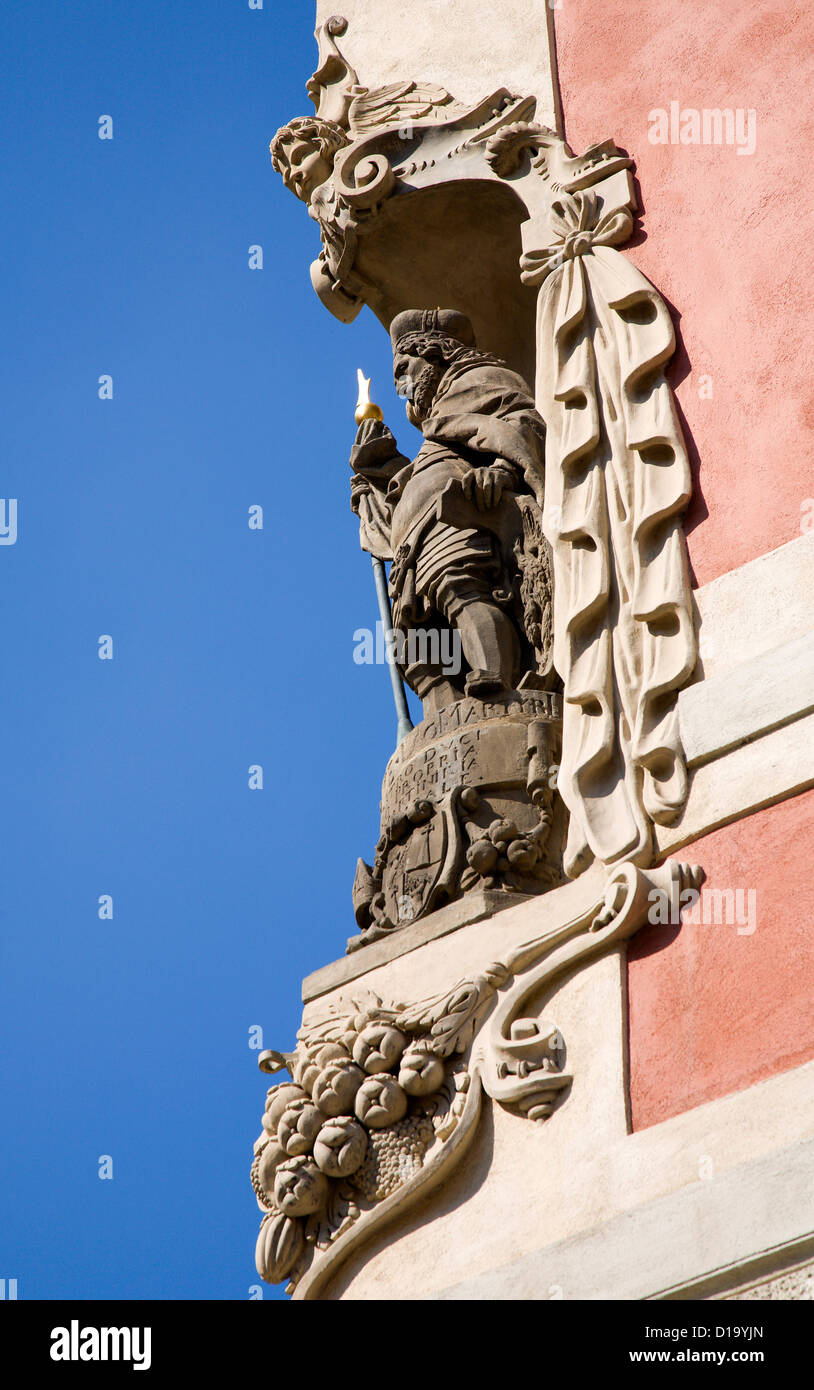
<point x="746" y="722"/>
<point x="471" y="42"/>
<point x="767" y="770"/>
<point x="585" y="1206"/>
<point x="756" y="608"/>
<point x="701" y="1242"/>
<point x="734" y="707"/>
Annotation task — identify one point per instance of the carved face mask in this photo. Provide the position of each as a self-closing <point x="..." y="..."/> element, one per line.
<point x="308" y="168"/>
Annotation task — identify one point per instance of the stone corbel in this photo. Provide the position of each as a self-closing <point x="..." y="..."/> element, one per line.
<point x="426" y="184"/>
<point x="391" y="194"/>
<point x="385" y="1099"/>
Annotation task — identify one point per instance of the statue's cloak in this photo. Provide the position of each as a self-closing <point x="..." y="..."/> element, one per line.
<point x="482" y="412"/>
<point x="487" y="408"/>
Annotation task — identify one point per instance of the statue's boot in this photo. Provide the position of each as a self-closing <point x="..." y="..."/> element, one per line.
<point x="490" y="646"/>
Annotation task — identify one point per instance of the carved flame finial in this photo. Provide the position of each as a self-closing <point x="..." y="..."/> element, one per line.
<point x="366" y="409"/>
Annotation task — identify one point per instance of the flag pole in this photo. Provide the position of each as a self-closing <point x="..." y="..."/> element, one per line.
<point x="367" y="410"/>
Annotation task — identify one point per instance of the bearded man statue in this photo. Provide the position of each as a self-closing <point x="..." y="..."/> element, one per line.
<point x="461" y="523"/>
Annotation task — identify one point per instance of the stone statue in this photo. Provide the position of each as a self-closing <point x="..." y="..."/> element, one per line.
<point x="451" y="521"/>
<point x="394" y="176"/>
<point x="468" y="796"/>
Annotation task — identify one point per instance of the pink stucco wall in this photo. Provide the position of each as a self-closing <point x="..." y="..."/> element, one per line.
<point x="713" y="1006"/>
<point x="726" y="238"/>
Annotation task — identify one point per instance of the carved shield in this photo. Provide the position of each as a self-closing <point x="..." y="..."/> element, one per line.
<point x="415" y="868"/>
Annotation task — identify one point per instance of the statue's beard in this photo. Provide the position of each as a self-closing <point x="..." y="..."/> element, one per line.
<point x="424" y="393"/>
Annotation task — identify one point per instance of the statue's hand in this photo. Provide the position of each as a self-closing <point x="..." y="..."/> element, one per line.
<point x="485" y="486"/>
<point x="374" y="450"/>
<point x="372" y="429"/>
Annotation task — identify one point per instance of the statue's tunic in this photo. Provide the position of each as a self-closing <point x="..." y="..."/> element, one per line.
<point x="428" y="552"/>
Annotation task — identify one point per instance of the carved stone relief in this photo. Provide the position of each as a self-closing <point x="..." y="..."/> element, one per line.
<point x="617" y="484"/>
<point x="467" y="803"/>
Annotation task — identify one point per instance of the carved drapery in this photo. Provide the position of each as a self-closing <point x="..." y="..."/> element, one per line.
<point x="617" y="484"/>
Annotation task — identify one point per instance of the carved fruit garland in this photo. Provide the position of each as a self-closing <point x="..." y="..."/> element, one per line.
<point x="372" y="1093"/>
<point x="384" y="1100"/>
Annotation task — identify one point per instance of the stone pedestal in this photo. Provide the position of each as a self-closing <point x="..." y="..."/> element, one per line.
<point x="467" y="805"/>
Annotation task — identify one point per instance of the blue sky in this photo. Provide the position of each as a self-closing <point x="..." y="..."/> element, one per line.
<point x="231" y="647"/>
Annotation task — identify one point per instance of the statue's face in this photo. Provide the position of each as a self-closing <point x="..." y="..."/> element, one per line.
<point x="417" y="380"/>
<point x="307" y="168"/>
<point x="406" y="371"/>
